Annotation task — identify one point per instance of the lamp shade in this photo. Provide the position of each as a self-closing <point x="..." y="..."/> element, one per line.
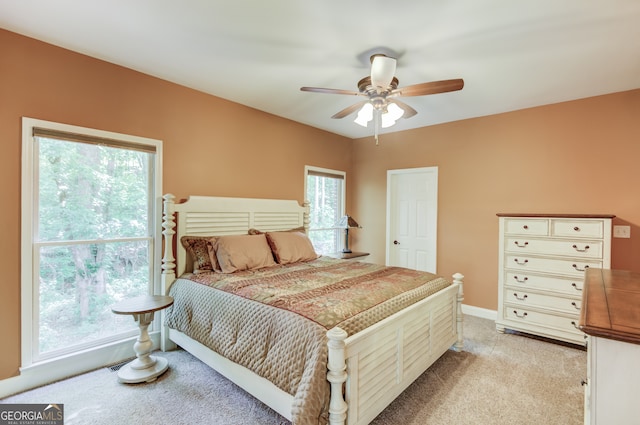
<point x="347" y="222"/>
<point x="364" y="115"/>
<point x="393" y="114"/>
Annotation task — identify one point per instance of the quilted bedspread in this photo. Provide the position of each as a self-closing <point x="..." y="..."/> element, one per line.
<point x="274" y="321"/>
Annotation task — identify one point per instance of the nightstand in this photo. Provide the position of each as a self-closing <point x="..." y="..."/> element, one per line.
<point x="145" y="368"/>
<point x="347" y="255"/>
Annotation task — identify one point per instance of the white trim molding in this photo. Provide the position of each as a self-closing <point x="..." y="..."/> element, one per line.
<point x="479" y="312"/>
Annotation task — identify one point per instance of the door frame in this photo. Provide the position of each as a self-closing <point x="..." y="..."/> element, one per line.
<point x="390" y="174"/>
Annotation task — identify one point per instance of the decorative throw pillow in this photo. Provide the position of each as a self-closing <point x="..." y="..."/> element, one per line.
<point x="243" y="252"/>
<point x="291" y="247"/>
<point x="196" y="247"/>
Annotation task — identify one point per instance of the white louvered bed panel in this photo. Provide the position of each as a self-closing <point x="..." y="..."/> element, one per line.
<point x="276" y="221"/>
<point x="214" y="224"/>
<point x="370" y="371"/>
<point x="380" y="370"/>
<point x="417" y="341"/>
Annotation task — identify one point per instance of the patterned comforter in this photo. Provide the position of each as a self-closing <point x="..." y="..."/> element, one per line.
<point x="234" y="315"/>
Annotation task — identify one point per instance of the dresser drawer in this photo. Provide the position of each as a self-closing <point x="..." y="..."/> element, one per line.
<point x="577" y="228"/>
<point x="528" y="299"/>
<point x="528" y="316"/>
<point x="533" y="227"/>
<point x="574" y="248"/>
<point x="545" y="283"/>
<point x="570" y="267"/>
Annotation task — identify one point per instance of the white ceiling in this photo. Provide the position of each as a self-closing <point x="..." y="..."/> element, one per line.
<point x="512" y="54"/>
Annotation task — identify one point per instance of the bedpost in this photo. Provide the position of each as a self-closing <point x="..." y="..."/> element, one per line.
<point x="168" y="262"/>
<point x="305" y="217"/>
<point x="457" y="279"/>
<point x="337" y="375"/>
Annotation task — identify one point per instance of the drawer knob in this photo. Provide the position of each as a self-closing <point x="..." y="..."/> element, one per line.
<point x="575" y="286"/>
<point x="521" y="280"/>
<point x="577" y="229"/>
<point x="521" y="298"/>
<point x="575" y="305"/>
<point x="520" y="315"/>
<point x="575" y="325"/>
<point x="525" y="227"/>
<point x="575" y="266"/>
<point x="523" y="262"/>
<point x="521" y="244"/>
<point x="586" y="247"/>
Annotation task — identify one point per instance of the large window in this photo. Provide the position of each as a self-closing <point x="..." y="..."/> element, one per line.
<point x="90" y="224"/>
<point x="325" y="191"/>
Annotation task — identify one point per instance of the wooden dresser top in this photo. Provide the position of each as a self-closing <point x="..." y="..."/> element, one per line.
<point x="611" y="305"/>
<point x="536" y="215"/>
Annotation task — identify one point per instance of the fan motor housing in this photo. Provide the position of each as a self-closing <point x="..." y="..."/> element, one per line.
<point x="364" y="85"/>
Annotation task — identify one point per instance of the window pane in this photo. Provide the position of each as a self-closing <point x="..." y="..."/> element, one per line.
<point x="78" y="284"/>
<point x="324" y="241"/>
<point x="324" y="194"/>
<point x="90" y="191"/>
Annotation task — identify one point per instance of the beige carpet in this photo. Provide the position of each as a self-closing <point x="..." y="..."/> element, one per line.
<point x="498" y="379"/>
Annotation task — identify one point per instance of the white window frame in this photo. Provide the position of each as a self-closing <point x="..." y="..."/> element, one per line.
<point x="343" y="174"/>
<point x="38" y="373"/>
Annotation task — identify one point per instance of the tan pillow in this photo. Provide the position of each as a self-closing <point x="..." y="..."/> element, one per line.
<point x="197" y="249"/>
<point x="291" y="247"/>
<point x="243" y="252"/>
<point x="212" y="255"/>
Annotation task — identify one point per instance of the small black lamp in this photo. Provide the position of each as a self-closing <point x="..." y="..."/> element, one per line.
<point x="346" y="223"/>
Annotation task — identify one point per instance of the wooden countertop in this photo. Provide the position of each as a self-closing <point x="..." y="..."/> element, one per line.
<point x="535" y="215"/>
<point x="611" y="305"/>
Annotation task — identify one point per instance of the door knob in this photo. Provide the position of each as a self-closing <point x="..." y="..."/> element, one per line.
<point x="396" y="243"/>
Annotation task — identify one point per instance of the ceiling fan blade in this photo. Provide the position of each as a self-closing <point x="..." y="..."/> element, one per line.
<point x="408" y="110"/>
<point x="433" y="87"/>
<point x="349" y="110"/>
<point x="330" y="91"/>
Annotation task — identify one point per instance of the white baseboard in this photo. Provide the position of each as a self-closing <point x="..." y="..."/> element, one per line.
<point x="479" y="312"/>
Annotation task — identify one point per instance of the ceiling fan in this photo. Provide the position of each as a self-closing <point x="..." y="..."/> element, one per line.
<point x="382" y="92"/>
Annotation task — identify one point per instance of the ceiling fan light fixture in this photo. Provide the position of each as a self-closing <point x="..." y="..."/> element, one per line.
<point x="393" y="114"/>
<point x="365" y="114"/>
<point x="383" y="68"/>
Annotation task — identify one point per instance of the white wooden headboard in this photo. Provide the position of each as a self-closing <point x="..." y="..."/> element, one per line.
<point x="218" y="216"/>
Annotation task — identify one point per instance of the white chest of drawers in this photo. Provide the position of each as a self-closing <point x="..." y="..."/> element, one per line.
<point x="542" y="259"/>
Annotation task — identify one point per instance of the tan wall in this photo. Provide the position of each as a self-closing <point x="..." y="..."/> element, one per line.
<point x="573" y="157"/>
<point x="211" y="146"/>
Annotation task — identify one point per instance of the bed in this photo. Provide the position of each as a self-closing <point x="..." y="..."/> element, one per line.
<point x="338" y="367"/>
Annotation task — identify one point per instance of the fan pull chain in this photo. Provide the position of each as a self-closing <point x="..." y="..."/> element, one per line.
<point x="376" y="124"/>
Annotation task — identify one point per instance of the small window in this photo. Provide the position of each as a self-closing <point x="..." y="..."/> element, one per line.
<point x="325" y="192"/>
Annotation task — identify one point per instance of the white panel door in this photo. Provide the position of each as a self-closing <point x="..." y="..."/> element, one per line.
<point x="412" y="219"/>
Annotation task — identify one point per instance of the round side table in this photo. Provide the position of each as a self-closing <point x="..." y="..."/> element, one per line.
<point x="145" y="368"/>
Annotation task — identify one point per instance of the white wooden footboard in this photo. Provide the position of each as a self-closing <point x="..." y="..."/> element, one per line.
<point x="380" y="362"/>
